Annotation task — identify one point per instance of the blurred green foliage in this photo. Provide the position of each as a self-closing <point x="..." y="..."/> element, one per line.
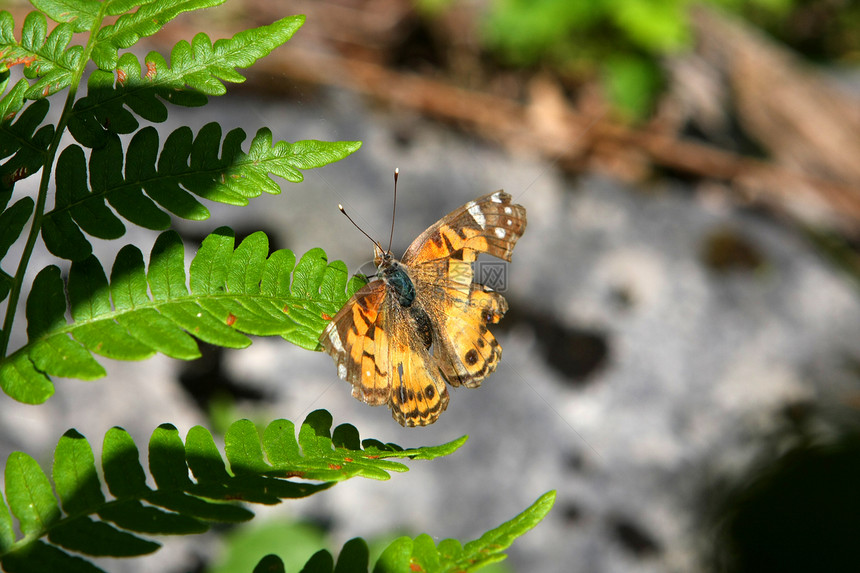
<point x="293" y="542"/>
<point x="622" y="41"/>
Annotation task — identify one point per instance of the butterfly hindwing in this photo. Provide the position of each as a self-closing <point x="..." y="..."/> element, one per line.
<point x="469" y="352"/>
<point x="418" y="393"/>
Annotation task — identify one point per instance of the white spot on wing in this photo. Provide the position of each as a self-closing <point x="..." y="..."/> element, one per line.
<point x="334" y="338"/>
<point x="508" y="210"/>
<point x="500" y="233"/>
<point x="510" y="222"/>
<point x="477" y="215"/>
<point x="496" y="197"/>
<point x="341" y="371"/>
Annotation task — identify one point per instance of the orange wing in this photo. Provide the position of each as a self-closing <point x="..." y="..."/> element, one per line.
<point x="441" y="266"/>
<point x="357" y="340"/>
<point x="489" y="224"/>
<point x="377" y="350"/>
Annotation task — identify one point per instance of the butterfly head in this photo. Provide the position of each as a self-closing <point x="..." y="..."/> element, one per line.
<point x="381" y="258"/>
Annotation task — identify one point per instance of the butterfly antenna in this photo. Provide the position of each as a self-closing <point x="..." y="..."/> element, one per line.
<point x="394" y="209"/>
<point x="372" y="240"/>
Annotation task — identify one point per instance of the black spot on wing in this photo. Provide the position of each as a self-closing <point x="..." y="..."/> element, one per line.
<point x="471" y="357"/>
<point x="448" y="245"/>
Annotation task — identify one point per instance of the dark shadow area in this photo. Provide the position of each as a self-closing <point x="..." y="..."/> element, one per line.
<point x="576" y="353"/>
<point x="799" y="512"/>
<point x="633" y="538"/>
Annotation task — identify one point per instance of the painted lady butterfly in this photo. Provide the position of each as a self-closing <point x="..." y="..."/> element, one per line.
<point x="399" y="339"/>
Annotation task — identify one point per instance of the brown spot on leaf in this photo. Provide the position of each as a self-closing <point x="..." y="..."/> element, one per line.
<point x="325" y="316"/>
<point x="231" y="319"/>
<point x="26" y="60"/>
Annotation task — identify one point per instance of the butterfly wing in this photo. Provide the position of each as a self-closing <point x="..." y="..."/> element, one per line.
<point x="377" y="349"/>
<point x="358" y="342"/>
<point x="418" y="393"/>
<point x="441" y="260"/>
<point x="490" y="224"/>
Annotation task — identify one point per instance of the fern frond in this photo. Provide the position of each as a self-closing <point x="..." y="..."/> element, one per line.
<point x="245" y="290"/>
<point x="48" y="58"/>
<point x="196" y="70"/>
<point x="80" y="518"/>
<point x="152" y="182"/>
<point x="422" y="553"/>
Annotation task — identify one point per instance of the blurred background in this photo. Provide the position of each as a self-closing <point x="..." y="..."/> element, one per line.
<point x="681" y="357"/>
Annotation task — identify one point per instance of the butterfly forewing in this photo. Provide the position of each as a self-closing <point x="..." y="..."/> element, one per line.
<point x="490" y="224"/>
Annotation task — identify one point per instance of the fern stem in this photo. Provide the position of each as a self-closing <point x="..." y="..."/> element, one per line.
<point x="41" y="199"/>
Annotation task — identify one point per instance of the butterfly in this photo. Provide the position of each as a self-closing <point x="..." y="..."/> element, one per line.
<point x="424" y="322"/>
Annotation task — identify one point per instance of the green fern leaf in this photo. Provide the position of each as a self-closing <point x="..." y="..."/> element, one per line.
<point x="143" y="22"/>
<point x="7" y="527"/>
<point x="82" y="14"/>
<point x="422" y="554"/>
<point x="48" y="58"/>
<point x="13" y="100"/>
<point x="149" y="183"/>
<point x="83" y="520"/>
<point x="232" y="291"/>
<point x="28" y="490"/>
<point x="197" y="70"/>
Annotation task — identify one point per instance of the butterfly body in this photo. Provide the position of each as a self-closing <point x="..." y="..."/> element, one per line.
<point x="399" y="339"/>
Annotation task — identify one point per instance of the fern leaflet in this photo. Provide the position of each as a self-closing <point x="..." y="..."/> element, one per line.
<point x="200" y="66"/>
<point x="422" y="553"/>
<point x="83" y="520"/>
<point x="245" y="290"/>
<point x="149" y="182"/>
